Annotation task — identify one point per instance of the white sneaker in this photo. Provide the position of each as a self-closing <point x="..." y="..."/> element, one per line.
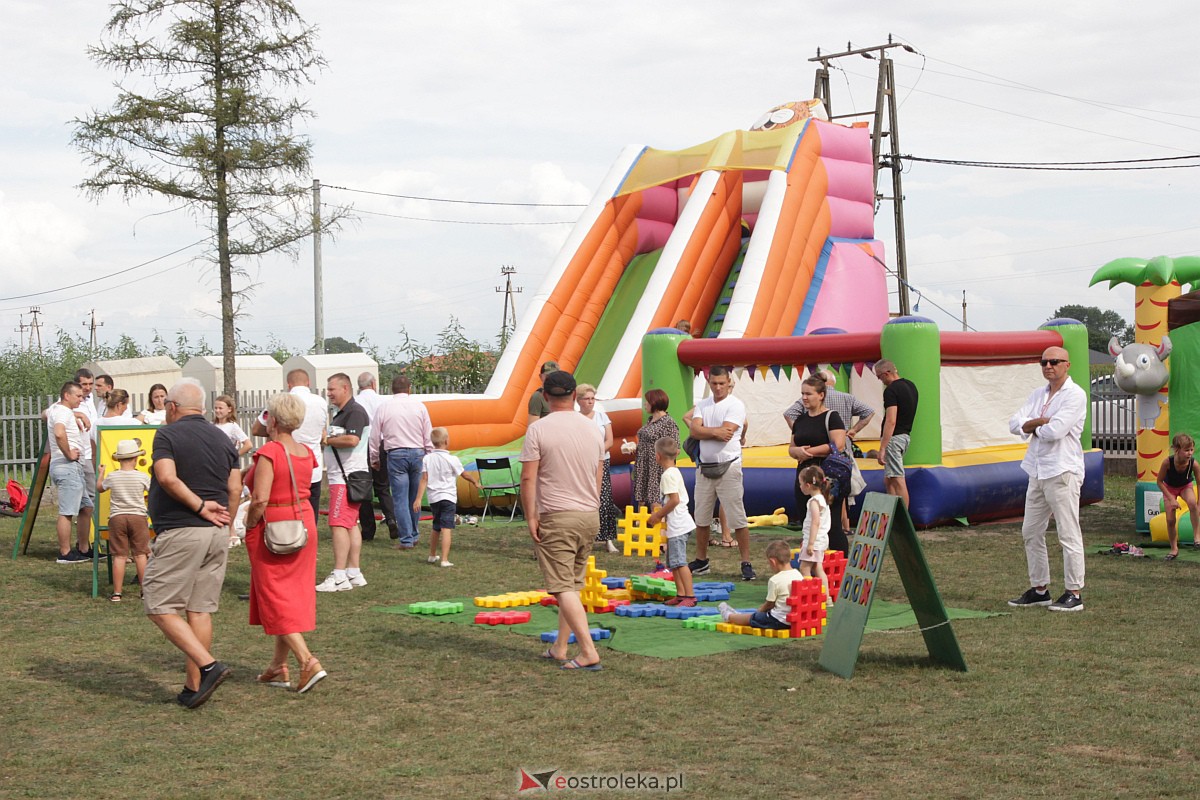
<point x="447" y="564"/>
<point x="433" y="559"/>
<point x="331" y="584"/>
<point x="357" y="580"/>
<point x="726" y="610"/>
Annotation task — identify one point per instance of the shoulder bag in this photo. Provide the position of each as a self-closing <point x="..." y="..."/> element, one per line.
<point x="286" y="536"/>
<point x="359" y="486"/>
<point x="837" y="466"/>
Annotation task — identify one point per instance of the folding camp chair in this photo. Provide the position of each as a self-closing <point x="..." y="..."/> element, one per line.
<point x="500" y="485"/>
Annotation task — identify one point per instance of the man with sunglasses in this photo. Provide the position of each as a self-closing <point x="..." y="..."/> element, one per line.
<point x="1052" y="421"/>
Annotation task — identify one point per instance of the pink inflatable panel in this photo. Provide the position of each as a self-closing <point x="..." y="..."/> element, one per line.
<point x="853" y="294"/>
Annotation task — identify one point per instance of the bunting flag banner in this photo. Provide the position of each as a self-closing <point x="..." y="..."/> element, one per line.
<point x="775" y="370"/>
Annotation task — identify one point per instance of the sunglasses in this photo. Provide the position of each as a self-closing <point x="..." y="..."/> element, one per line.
<point x="1052" y="362"/>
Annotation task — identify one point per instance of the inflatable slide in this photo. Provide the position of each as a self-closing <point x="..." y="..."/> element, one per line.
<point x="756" y="233"/>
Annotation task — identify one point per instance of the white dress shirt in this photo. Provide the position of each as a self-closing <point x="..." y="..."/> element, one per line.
<point x="1054" y="448"/>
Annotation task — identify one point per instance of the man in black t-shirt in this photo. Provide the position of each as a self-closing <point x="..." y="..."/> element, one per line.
<point x="899" y="409"/>
<point x="195" y="485"/>
<point x="345" y="455"/>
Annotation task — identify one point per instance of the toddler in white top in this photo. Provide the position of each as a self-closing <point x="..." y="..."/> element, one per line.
<point x="679" y="521"/>
<point x="815" y="486"/>
<point x="439" y="474"/>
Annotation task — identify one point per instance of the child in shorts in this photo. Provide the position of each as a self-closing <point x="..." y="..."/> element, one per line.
<point x="679" y="522"/>
<point x="815" y="486"/>
<point x="771" y="615"/>
<point x="1176" y="480"/>
<point x="128" y="530"/>
<point x="439" y="474"/>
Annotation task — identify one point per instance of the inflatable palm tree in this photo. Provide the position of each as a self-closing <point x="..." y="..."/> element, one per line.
<point x="1156" y="281"/>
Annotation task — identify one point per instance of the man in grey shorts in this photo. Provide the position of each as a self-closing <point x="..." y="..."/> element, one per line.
<point x="194" y="491"/>
<point x="717" y="422"/>
<point x="899" y="410"/>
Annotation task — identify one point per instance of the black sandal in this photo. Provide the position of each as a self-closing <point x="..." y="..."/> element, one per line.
<point x="115" y="597"/>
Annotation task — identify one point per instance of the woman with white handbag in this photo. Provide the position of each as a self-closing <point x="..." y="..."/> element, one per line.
<point x="281" y="540"/>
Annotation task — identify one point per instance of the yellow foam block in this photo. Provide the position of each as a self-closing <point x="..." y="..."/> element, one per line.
<point x="636" y="537"/>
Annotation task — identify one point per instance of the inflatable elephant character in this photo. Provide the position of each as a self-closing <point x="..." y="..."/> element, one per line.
<point x="1140" y="369"/>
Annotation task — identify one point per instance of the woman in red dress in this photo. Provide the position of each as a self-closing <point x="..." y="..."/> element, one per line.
<point x="283" y="597"/>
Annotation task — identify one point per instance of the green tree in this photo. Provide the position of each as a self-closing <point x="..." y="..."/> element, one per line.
<point x="1102" y="325"/>
<point x="336" y="344"/>
<point x="456" y="363"/>
<point x="210" y="127"/>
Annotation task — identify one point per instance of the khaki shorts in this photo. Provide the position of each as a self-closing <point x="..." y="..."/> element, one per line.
<point x="186" y="570"/>
<point x="128" y="533"/>
<point x="563" y="552"/>
<point x="727" y="489"/>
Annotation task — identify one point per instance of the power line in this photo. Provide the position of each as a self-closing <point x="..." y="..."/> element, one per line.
<point x="456" y="221"/>
<point x="1058" y="166"/>
<point x="460" y="202"/>
<point x="109" y="275"/>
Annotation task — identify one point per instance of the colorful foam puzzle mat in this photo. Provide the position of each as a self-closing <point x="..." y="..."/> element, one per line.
<point x="661" y="637"/>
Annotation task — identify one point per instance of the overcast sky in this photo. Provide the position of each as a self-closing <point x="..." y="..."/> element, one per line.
<point x="530" y="102"/>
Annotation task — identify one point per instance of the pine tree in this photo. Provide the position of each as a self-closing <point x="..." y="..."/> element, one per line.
<point x="210" y="125"/>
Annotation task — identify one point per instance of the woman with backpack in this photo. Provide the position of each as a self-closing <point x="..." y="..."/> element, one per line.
<point x="816" y="434"/>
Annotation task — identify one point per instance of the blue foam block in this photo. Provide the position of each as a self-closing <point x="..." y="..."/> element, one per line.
<point x="714" y="585"/>
<point x="641" y="610"/>
<point x="688" y="613"/>
<point x="596" y="633"/>
<point x="614" y="583"/>
<point x="711" y="595"/>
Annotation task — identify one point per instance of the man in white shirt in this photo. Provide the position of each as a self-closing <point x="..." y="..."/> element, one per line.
<point x="311" y="432"/>
<point x="370" y="399"/>
<point x="70" y="471"/>
<point x="716" y="422"/>
<point x="1052" y="421"/>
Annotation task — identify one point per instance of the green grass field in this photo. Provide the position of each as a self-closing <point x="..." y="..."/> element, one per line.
<point x="1096" y="704"/>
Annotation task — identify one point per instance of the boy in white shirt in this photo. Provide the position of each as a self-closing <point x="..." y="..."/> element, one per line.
<point x="679" y="522"/>
<point x="439" y="474"/>
<point x="773" y="613"/>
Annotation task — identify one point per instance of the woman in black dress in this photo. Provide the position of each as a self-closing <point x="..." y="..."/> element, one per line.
<point x="812" y="433"/>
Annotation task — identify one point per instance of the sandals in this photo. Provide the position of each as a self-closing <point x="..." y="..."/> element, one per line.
<point x="115" y="597"/>
<point x="722" y="543"/>
<point x="573" y="664"/>
<point x="1170" y="556"/>
<point x="275" y="676"/>
<point x="548" y="656"/>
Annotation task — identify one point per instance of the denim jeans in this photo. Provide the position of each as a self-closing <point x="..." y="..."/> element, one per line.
<point x="404" y="475"/>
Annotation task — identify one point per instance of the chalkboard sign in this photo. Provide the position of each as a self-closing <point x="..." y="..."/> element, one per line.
<point x="885" y="520"/>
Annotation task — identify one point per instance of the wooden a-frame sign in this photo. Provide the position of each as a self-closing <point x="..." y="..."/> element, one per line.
<point x="884" y="519"/>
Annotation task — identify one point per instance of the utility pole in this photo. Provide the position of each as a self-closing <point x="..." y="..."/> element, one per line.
<point x="964" y="309"/>
<point x="35" y="328"/>
<point x="92" y="325"/>
<point x="886" y="124"/>
<point x="318" y="289"/>
<point x="508" y="323"/>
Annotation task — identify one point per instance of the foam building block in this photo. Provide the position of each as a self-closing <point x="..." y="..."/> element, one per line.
<point x="511" y="599"/>
<point x="501" y="617"/>
<point x="594" y="592"/>
<point x="674" y="612"/>
<point x="808" y="614"/>
<point x="712" y="585"/>
<point x="835" y="570"/>
<point x="654" y="587"/>
<point x="636" y="537"/>
<point x="705" y="623"/>
<point x="642" y="610"/>
<point x="614" y="583"/>
<point x="710" y="595"/>
<point x="436" y="607"/>
<point x="596" y="633"/>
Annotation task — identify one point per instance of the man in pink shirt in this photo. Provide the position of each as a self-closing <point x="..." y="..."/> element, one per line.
<point x="400" y="439"/>
<point x="562" y="467"/>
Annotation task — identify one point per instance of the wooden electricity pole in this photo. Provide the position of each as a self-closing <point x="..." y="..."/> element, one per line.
<point x="885" y="124"/>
